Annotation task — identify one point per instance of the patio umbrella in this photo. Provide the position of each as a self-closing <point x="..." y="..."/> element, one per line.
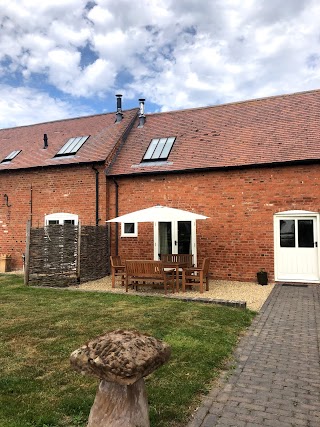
<point x="158" y="214"/>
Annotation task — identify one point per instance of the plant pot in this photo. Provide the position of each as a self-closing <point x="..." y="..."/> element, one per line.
<point x="262" y="277"/>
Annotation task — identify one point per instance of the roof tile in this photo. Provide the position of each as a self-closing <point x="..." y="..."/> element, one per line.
<point x="103" y="131"/>
<point x="270" y="130"/>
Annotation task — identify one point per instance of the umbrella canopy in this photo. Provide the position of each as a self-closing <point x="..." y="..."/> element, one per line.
<point x="158" y="214"/>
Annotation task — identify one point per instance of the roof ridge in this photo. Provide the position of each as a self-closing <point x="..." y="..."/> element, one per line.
<point x="284" y="95"/>
<point x="68" y="119"/>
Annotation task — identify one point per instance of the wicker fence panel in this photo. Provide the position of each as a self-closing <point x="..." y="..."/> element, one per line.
<point x="53" y="255"/>
<point x="59" y="257"/>
<point x="94" y="253"/>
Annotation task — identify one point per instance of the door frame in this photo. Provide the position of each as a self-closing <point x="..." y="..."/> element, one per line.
<point x="294" y="214"/>
<point x="174" y="230"/>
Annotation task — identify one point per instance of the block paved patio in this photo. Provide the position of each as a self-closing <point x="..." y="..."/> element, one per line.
<point x="276" y="381"/>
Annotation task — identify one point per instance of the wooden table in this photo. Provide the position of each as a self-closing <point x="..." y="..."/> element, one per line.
<point x="177" y="266"/>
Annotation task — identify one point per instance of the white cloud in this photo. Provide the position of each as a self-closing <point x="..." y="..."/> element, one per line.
<point x="23" y="106"/>
<point x="95" y="79"/>
<point x="178" y="54"/>
<point x="101" y="18"/>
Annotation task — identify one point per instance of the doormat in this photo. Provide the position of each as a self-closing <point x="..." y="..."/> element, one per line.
<point x="294" y="285"/>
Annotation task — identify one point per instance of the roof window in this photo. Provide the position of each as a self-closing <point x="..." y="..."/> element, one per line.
<point x="72" y="146"/>
<point x="11" y="156"/>
<point x="159" y="149"/>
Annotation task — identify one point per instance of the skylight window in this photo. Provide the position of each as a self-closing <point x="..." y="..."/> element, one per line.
<point x="11" y="156"/>
<point x="159" y="149"/>
<point x="72" y="146"/>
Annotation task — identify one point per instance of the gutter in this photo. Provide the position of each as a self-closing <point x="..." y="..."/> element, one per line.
<point x="117" y="214"/>
<point x="60" y="165"/>
<point x="97" y="194"/>
<point x="220" y="168"/>
<point x="118" y="148"/>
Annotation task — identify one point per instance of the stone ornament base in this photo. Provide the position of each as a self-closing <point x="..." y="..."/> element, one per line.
<point x="120" y="359"/>
<point x="117" y="405"/>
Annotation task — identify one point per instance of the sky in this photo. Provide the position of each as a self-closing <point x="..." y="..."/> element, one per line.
<point x="69" y="58"/>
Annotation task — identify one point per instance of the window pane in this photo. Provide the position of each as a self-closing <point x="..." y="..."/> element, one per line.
<point x="53" y="221"/>
<point x="78" y="144"/>
<point x="305" y="233"/>
<point x="129" y="227"/>
<point x="159" y="148"/>
<point x="165" y="238"/>
<point x="72" y="145"/>
<point x="11" y="156"/>
<point x="151" y="149"/>
<point x="157" y="151"/>
<point x="167" y="148"/>
<point x="287" y="233"/>
<point x="69" y="221"/>
<point x="184" y="237"/>
<point x="65" y="148"/>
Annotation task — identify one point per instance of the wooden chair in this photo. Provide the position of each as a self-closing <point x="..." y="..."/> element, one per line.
<point x="195" y="276"/>
<point x="178" y="258"/>
<point x="178" y="261"/>
<point x="117" y="269"/>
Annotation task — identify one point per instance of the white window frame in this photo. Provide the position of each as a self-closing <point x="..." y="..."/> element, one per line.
<point x="61" y="217"/>
<point x="134" y="234"/>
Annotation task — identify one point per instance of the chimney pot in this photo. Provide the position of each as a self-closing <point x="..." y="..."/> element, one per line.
<point x="119" y="115"/>
<point x="119" y="107"/>
<point x="141" y="102"/>
<point x="142" y="117"/>
<point x="45" y="141"/>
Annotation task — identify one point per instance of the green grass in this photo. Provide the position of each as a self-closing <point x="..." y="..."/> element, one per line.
<point x="41" y="327"/>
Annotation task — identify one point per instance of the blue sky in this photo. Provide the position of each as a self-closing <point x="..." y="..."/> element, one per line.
<point x="68" y="58"/>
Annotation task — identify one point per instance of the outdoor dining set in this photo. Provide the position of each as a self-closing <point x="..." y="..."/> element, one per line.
<point x="168" y="272"/>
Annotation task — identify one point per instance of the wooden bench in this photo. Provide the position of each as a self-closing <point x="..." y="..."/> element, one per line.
<point x="148" y="273"/>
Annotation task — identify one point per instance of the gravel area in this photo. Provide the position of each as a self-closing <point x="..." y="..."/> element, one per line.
<point x="254" y="294"/>
<point x="250" y="292"/>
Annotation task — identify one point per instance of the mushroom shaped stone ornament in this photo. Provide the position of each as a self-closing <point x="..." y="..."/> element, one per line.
<point x="120" y="359"/>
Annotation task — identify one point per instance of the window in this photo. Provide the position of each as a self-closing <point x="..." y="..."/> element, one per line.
<point x="287" y="233"/>
<point x="72" y="146"/>
<point x="11" y="156"/>
<point x="129" y="229"/>
<point x="302" y="227"/>
<point x="52" y="222"/>
<point x="159" y="149"/>
<point x="61" y="218"/>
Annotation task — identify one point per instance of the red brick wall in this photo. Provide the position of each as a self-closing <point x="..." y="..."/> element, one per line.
<point x="238" y="236"/>
<point x="61" y="189"/>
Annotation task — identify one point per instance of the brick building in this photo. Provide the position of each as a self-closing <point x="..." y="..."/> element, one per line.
<point x="51" y="173"/>
<point x="252" y="167"/>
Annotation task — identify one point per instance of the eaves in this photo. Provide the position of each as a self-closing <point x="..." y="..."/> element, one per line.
<point x="219" y="168"/>
<point x="58" y="166"/>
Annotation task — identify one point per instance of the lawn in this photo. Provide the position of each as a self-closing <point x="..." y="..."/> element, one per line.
<point x="41" y="327"/>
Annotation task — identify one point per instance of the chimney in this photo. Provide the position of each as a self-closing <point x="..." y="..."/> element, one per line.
<point x="119" y="115"/>
<point x="142" y="117"/>
<point x="45" y="141"/>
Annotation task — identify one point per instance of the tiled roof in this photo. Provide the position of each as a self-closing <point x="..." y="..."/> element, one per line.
<point x="262" y="131"/>
<point x="103" y="131"/>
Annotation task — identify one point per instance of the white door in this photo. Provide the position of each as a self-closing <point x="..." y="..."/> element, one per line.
<point x="296" y="247"/>
<point x="176" y="237"/>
